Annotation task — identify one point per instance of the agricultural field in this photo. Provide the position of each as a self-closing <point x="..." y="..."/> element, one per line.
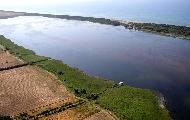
<point x="26" y="88"/>
<point x="103" y="115"/>
<point x="7" y="60"/>
<point x="77" y="113"/>
<point x="30" y="92"/>
<point x="85" y="111"/>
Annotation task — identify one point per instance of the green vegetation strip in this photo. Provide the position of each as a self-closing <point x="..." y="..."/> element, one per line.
<point x="162" y="29"/>
<point x="127" y="103"/>
<point x="26" y="55"/>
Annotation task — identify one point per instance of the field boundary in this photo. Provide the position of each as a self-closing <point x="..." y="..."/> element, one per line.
<point x="21" y="65"/>
<point x="50" y="111"/>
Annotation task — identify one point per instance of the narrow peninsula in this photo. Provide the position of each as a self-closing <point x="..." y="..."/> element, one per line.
<point x="182" y="32"/>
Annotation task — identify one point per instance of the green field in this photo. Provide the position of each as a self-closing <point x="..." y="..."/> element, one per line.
<point x="127" y="103"/>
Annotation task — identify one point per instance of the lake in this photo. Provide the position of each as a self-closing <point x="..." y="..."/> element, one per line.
<point x="139" y="59"/>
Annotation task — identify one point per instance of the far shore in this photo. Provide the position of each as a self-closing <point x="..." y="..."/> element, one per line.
<point x="181" y="32"/>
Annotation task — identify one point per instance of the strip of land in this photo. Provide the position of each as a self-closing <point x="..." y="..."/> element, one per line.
<point x="9" y="14"/>
<point x="182" y="32"/>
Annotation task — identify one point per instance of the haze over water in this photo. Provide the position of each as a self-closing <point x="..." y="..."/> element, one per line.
<point x="158" y="11"/>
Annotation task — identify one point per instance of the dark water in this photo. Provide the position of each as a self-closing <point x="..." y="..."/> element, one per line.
<point x="159" y="11"/>
<point x="139" y="59"/>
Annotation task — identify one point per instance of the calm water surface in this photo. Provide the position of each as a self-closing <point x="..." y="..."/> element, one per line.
<point x="139" y="59"/>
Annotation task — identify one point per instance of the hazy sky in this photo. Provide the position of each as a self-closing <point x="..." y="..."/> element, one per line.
<point x="41" y="2"/>
<point x="19" y="3"/>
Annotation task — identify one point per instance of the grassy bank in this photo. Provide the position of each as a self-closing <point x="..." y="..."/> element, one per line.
<point x="127" y="103"/>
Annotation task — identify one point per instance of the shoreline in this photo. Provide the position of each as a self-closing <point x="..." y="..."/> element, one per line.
<point x="104" y="93"/>
<point x="181" y="32"/>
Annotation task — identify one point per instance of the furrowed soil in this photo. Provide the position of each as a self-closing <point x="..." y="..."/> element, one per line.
<point x="32" y="90"/>
<point x="82" y="112"/>
<point x="102" y="115"/>
<point x="26" y="88"/>
<point x="7" y="60"/>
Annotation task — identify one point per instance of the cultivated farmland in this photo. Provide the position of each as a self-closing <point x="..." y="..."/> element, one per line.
<point x="26" y="88"/>
<point x="84" y="111"/>
<point x="29" y="92"/>
<point x="7" y="60"/>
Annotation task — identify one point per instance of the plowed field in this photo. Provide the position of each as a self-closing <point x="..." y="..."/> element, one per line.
<point x="7" y="60"/>
<point x="27" y="88"/>
<point x="32" y="90"/>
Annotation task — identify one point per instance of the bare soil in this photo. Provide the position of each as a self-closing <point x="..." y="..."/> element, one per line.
<point x="29" y="88"/>
<point x="79" y="113"/>
<point x="102" y="115"/>
<point x="83" y="112"/>
<point x="7" y="60"/>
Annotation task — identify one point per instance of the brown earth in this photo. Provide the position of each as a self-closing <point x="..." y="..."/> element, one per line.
<point x="31" y="90"/>
<point x="102" y="115"/>
<point x="26" y="88"/>
<point x="78" y="113"/>
<point x="7" y="60"/>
